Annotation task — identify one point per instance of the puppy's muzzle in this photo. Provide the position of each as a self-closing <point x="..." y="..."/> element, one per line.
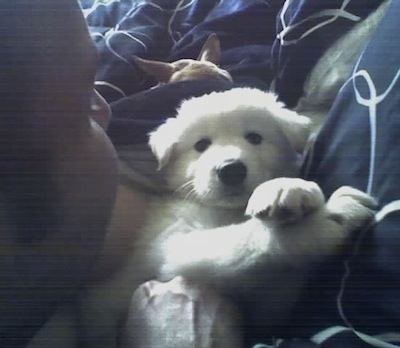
<point x="232" y="172"/>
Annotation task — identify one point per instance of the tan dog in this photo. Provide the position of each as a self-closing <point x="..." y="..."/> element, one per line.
<point x="205" y="67"/>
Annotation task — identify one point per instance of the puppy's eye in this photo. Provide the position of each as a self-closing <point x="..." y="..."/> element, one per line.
<point x="254" y="138"/>
<point x="202" y="145"/>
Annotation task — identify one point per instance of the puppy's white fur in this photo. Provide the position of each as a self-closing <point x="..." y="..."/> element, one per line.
<point x="225" y="119"/>
<point x="225" y="234"/>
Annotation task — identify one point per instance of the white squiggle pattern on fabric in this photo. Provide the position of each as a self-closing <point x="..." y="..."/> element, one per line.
<point x="180" y="7"/>
<point x="369" y="98"/>
<point x="110" y="85"/>
<point x="115" y="32"/>
<point x="388" y="209"/>
<point x="334" y="14"/>
<point x="112" y="36"/>
<point x="139" y="4"/>
<point x="371" y="103"/>
<point x="96" y="4"/>
<point x="112" y="33"/>
<point x="381" y="341"/>
<point x="135" y="5"/>
<point x="97" y="35"/>
<point x="386" y="340"/>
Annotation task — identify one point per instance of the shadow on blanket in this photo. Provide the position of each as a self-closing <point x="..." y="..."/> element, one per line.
<point x="135" y="116"/>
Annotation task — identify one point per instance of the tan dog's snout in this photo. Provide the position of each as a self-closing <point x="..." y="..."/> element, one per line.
<point x="232" y="172"/>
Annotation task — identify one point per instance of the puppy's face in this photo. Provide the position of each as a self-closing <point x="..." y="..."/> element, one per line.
<point x="219" y="148"/>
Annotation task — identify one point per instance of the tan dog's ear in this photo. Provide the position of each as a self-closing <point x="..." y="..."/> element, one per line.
<point x="297" y="128"/>
<point x="162" y="141"/>
<point x="161" y="71"/>
<point x="211" y="50"/>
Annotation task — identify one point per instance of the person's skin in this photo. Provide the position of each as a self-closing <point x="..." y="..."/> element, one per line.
<point x="58" y="168"/>
<point x="128" y="216"/>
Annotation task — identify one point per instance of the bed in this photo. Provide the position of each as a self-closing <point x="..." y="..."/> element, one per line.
<point x="356" y="306"/>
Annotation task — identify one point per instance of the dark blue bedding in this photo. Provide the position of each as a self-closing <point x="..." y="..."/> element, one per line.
<point x="352" y="298"/>
<point x="169" y="30"/>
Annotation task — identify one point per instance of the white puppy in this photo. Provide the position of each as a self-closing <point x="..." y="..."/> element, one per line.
<point x="236" y="216"/>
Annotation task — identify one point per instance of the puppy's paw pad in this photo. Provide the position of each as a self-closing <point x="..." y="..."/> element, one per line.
<point x="285" y="199"/>
<point x="351" y="208"/>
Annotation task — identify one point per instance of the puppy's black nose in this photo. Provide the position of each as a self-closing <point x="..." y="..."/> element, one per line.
<point x="232" y="172"/>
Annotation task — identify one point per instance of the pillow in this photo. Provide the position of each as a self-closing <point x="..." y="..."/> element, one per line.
<point x="359" y="145"/>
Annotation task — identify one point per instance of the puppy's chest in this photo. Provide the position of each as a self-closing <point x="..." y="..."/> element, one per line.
<point x="170" y="216"/>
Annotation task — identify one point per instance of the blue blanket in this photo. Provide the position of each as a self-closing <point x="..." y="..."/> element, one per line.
<point x="169" y="30"/>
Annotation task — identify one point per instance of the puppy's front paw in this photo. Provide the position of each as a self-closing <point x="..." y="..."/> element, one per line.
<point x="285" y="199"/>
<point x="350" y="208"/>
<point x="174" y="257"/>
<point x="188" y="254"/>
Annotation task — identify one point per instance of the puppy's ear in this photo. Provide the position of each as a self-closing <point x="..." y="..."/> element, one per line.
<point x="162" y="142"/>
<point x="296" y="127"/>
<point x="161" y="71"/>
<point x="211" y="50"/>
